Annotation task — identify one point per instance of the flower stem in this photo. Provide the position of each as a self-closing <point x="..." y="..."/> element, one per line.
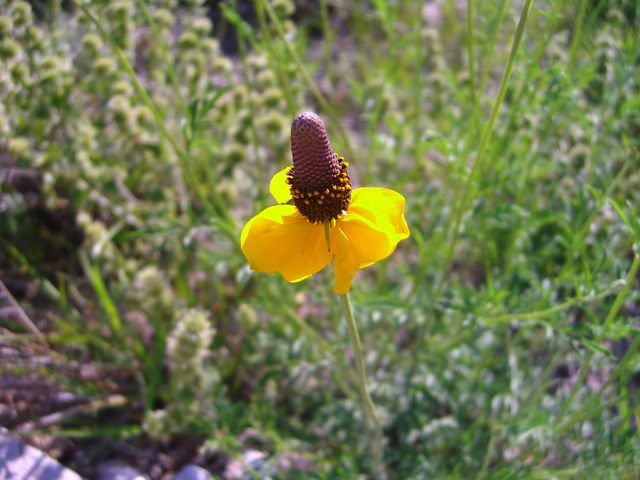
<point x="368" y="409"/>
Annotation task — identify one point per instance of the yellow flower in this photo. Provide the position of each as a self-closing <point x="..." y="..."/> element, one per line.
<point x="365" y="224"/>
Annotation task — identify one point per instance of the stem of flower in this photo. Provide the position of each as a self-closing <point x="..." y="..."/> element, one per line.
<point x="368" y="409"/>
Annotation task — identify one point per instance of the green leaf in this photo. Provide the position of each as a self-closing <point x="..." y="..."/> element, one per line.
<point x="92" y="271"/>
<point x="200" y="143"/>
<point x="96" y="250"/>
<point x="234" y="18"/>
<point x="620" y="211"/>
<point x="596" y="348"/>
<point x="209" y="103"/>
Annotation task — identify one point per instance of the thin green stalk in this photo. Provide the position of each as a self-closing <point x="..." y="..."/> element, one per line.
<point x="594" y="15"/>
<point x="472" y="67"/>
<point x="545" y="38"/>
<point x="328" y="40"/>
<point x="492" y="47"/>
<point x="311" y="85"/>
<point x="53" y="12"/>
<point x="607" y="322"/>
<point x="487" y="456"/>
<point x="472" y="132"/>
<point x="486" y="135"/>
<point x="577" y="33"/>
<point x="368" y="406"/>
<point x="436" y="243"/>
<point x="92" y="272"/>
<point x="262" y="193"/>
<point x="47" y="287"/>
<point x="544" y="474"/>
<point x="282" y="75"/>
<point x="417" y="94"/>
<point x="171" y="72"/>
<point x="584" y="414"/>
<point x="617" y="372"/>
<point x="539" y="388"/>
<point x="435" y="248"/>
<point x="549" y="311"/>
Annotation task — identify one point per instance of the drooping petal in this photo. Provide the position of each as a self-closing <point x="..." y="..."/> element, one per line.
<point x="369" y="232"/>
<point x="279" y="239"/>
<point x="343" y="276"/>
<point x="384" y="208"/>
<point x="279" y="188"/>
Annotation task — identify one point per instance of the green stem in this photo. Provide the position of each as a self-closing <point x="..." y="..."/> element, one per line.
<point x="472" y="68"/>
<point x="610" y="317"/>
<point x="487" y="456"/>
<point x="53" y="13"/>
<point x="282" y="75"/>
<point x="262" y="193"/>
<point x="171" y="72"/>
<point x="525" y="89"/>
<point x="486" y="135"/>
<point x="575" y="41"/>
<point x="367" y="403"/>
<point x="492" y="47"/>
<point x="549" y="311"/>
<point x="328" y="40"/>
<point x="417" y="93"/>
<point x="588" y="412"/>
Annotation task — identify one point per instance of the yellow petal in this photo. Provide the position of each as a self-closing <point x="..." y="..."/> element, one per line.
<point x="343" y="276"/>
<point x="279" y="239"/>
<point x="368" y="233"/>
<point x="384" y="208"/>
<point x="279" y="188"/>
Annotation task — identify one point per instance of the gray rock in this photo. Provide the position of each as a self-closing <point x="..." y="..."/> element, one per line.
<point x="119" y="471"/>
<point x="193" y="472"/>
<point x="24" y="462"/>
<point x="236" y="470"/>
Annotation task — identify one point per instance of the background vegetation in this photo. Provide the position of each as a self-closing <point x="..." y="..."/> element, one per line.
<point x="502" y="337"/>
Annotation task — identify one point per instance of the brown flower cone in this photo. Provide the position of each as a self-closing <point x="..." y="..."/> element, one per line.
<point x="315" y="164"/>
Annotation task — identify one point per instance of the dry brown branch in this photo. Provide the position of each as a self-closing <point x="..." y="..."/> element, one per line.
<point x="24" y="318"/>
<point x="52" y="419"/>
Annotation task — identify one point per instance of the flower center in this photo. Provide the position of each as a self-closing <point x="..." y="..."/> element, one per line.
<point x="325" y="203"/>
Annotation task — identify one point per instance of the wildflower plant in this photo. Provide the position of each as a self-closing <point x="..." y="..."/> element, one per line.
<point x="328" y="222"/>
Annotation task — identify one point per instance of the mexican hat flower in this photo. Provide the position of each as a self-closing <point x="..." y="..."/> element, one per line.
<point x="327" y="219"/>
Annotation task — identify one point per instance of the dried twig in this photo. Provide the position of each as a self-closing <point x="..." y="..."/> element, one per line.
<point x="21" y="315"/>
<point x="52" y="419"/>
